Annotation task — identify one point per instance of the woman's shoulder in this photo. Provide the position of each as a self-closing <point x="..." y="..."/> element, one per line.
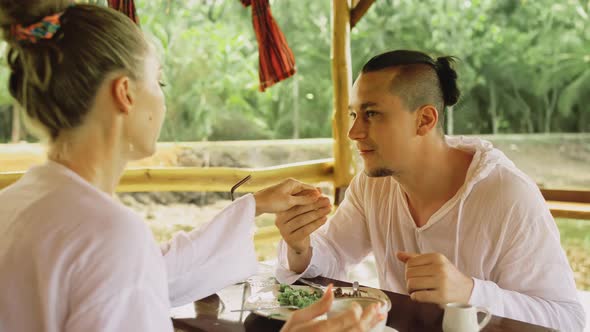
<point x="84" y="218"/>
<point x="73" y="202"/>
<point x="51" y="203"/>
<point x="108" y="219"/>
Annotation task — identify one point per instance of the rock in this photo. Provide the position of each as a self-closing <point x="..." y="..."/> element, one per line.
<point x="127" y="200"/>
<point x="142" y="198"/>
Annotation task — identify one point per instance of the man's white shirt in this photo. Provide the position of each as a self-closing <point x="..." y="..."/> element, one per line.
<point x="497" y="229"/>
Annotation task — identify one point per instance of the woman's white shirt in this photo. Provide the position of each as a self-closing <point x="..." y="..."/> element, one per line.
<point x="74" y="259"/>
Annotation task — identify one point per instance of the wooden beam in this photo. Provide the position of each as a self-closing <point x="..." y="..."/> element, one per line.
<point x="566" y="195"/>
<point x="8" y="178"/>
<point x="570" y="210"/>
<point x="344" y="169"/>
<point x="359" y="11"/>
<point x="568" y="203"/>
<point x="214" y="179"/>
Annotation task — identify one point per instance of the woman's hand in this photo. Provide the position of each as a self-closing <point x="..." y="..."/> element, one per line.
<point x="285" y="195"/>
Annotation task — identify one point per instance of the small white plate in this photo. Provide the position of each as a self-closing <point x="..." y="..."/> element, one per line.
<point x="267" y="297"/>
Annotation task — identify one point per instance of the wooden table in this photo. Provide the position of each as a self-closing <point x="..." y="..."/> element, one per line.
<point x="213" y="314"/>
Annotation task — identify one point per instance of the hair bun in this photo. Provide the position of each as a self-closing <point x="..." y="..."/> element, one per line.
<point x="448" y="79"/>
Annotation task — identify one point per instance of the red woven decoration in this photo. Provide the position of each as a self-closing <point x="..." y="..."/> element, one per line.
<point x="126" y="7"/>
<point x="276" y="59"/>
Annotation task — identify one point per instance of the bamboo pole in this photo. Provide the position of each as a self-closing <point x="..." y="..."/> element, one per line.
<point x="566" y="195"/>
<point x="342" y="81"/>
<point x="8" y="178"/>
<point x="219" y="179"/>
<point x="570" y="210"/>
<point x="359" y="11"/>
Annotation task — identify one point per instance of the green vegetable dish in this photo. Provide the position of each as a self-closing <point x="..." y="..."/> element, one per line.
<point x="297" y="297"/>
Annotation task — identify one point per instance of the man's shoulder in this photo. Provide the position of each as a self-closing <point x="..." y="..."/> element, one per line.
<point x="509" y="180"/>
<point x="508" y="188"/>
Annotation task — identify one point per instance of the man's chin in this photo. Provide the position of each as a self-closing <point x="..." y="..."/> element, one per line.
<point x="379" y="172"/>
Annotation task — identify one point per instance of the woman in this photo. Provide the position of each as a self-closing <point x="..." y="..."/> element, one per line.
<point x="72" y="258"/>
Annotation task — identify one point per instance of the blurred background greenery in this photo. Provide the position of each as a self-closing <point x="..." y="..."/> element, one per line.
<point x="524" y="65"/>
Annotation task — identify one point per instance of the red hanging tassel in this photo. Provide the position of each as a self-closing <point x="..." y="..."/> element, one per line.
<point x="126" y="7"/>
<point x="276" y="60"/>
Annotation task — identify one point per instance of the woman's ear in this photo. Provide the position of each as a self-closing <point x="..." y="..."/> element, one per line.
<point x="122" y="94"/>
<point x="427" y="119"/>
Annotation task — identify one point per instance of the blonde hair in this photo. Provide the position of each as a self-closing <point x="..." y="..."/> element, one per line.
<point x="55" y="80"/>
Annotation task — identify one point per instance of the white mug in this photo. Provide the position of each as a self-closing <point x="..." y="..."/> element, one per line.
<point x="460" y="317"/>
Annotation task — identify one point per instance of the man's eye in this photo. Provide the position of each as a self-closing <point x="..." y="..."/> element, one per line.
<point x="371" y="114"/>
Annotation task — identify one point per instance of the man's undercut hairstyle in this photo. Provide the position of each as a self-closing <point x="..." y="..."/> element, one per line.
<point x="420" y="79"/>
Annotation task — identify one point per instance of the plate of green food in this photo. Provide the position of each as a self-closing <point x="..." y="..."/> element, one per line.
<point x="299" y="297"/>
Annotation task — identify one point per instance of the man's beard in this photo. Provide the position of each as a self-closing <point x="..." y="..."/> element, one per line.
<point x="380" y="172"/>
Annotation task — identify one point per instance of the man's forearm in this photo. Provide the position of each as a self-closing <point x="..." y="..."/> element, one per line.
<point x="299" y="261"/>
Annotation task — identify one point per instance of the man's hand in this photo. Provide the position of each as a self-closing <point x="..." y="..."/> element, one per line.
<point x="433" y="278"/>
<point x="354" y="319"/>
<point x="285" y="195"/>
<point x="297" y="223"/>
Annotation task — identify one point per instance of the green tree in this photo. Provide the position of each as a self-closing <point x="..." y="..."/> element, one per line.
<point x="524" y="65"/>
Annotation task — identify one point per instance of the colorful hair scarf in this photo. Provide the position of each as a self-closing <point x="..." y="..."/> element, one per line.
<point x="44" y="29"/>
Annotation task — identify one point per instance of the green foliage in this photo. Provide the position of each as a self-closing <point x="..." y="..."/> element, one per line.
<point x="210" y="57"/>
<point x="517" y="57"/>
<point x="5" y="100"/>
<point x="524" y="65"/>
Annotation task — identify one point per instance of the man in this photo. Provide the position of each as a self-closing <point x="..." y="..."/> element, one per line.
<point x="448" y="219"/>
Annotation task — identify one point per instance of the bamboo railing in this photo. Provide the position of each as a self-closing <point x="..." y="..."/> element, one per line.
<point x="574" y="204"/>
<point x="222" y="178"/>
<point x="213" y="179"/>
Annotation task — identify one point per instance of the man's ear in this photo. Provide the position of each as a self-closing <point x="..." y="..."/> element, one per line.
<point x="427" y="119"/>
<point x="122" y="94"/>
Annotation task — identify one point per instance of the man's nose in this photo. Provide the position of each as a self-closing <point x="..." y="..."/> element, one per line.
<point x="358" y="130"/>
